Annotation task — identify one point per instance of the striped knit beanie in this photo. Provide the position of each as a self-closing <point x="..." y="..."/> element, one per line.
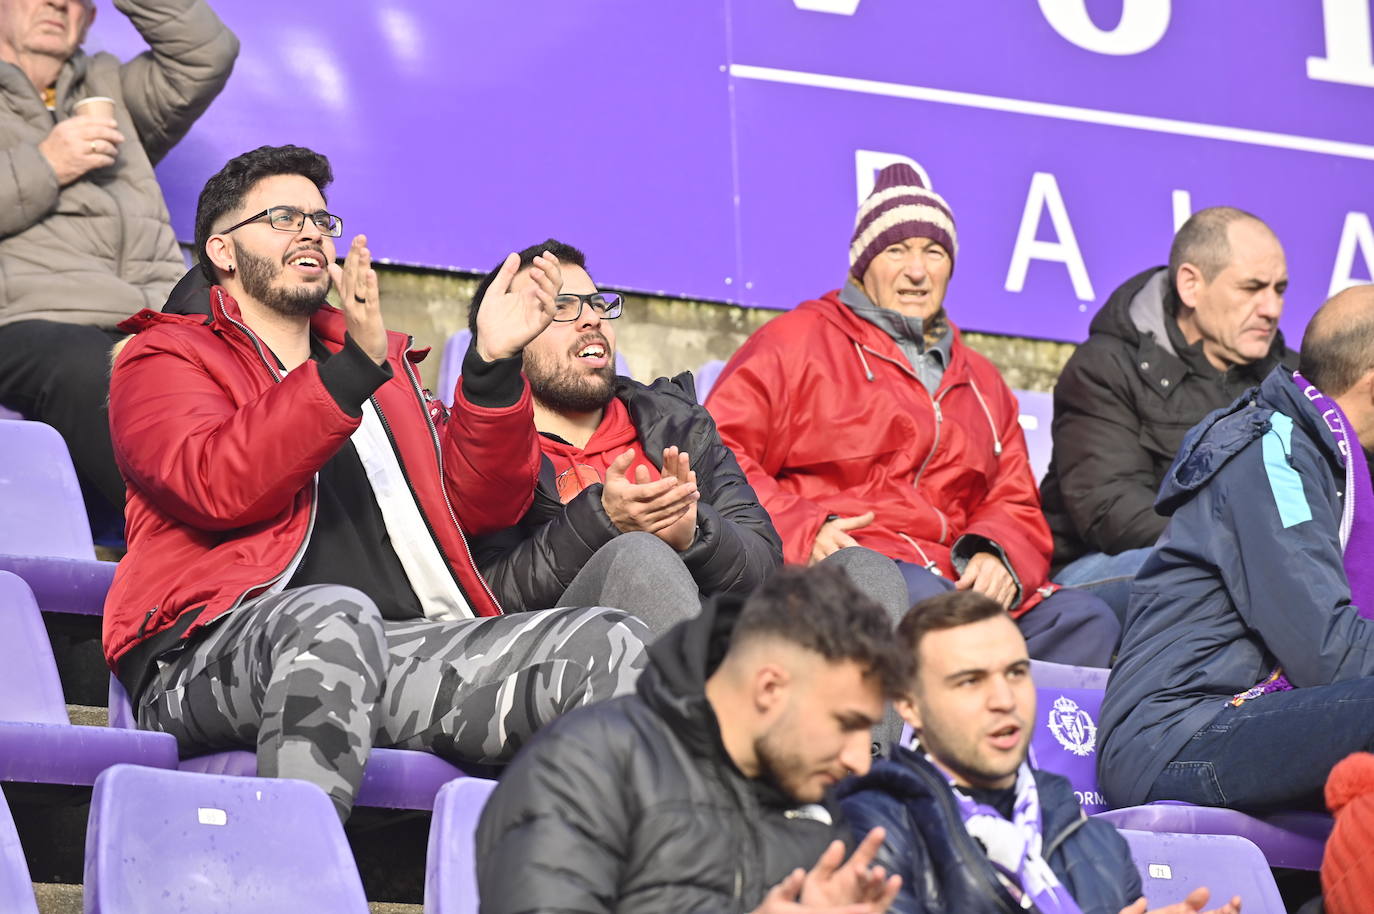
<point x="899" y="208"/>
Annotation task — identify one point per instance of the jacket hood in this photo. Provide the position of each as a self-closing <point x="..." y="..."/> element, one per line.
<point x="1115" y="317"/>
<point x="1226" y="432"/>
<point x="680" y="662"/>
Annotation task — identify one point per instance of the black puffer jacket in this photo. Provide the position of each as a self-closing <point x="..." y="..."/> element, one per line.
<point x="530" y="565"/>
<point x="945" y="871"/>
<point x="1122" y="405"/>
<point x="633" y="805"/>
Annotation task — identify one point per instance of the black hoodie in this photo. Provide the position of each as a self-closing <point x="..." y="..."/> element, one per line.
<point x="634" y="805"/>
<point x="1122" y="405"/>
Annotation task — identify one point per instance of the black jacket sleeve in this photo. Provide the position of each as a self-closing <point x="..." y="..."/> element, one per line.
<point x="736" y="545"/>
<point x="528" y="566"/>
<point x="1106" y="478"/>
<point x="903" y="852"/>
<point x="555" y="834"/>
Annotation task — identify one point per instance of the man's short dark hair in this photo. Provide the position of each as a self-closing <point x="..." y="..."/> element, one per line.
<point x="953" y="609"/>
<point x="1203" y="242"/>
<point x="820" y="609"/>
<point x="224" y="192"/>
<point x="565" y="253"/>
<point x="1338" y="345"/>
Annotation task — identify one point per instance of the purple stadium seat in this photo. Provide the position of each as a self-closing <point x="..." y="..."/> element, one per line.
<point x="451" y="365"/>
<point x="206" y="844"/>
<point x="46" y="538"/>
<point x="706" y="378"/>
<point x="16" y="891"/>
<point x="38" y="743"/>
<point x="1172" y="865"/>
<point x="1037" y="412"/>
<point x="1065" y="742"/>
<point x="451" y="868"/>
<point x="393" y="778"/>
<point x="8" y="414"/>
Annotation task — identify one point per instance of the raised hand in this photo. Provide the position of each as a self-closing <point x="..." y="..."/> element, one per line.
<point x="986" y="574"/>
<point x="362" y="308"/>
<point x="783" y="899"/>
<point x="508" y="318"/>
<point x="80" y="144"/>
<point x="834" y="535"/>
<point x="834" y="881"/>
<point x="681" y="533"/>
<point x="645" y="505"/>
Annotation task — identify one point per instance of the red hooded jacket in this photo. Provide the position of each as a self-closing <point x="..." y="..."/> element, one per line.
<point x="826" y="416"/>
<point x="219" y="457"/>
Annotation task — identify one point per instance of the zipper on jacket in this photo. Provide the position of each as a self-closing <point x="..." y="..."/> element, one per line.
<point x="315" y="480"/>
<point x="443" y="487"/>
<point x="939" y="421"/>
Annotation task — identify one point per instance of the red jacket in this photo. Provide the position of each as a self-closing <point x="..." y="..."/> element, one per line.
<point x="219" y="459"/>
<point x="827" y="417"/>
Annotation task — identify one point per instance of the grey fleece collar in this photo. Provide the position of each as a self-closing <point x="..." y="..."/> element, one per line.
<point x="905" y="331"/>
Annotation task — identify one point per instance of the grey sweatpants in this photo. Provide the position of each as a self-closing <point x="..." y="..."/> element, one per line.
<point x="314" y="677"/>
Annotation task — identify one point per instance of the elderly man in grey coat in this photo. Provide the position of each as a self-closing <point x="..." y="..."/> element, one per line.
<point x="85" y="239"/>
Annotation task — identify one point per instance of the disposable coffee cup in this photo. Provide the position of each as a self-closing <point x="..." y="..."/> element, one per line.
<point x="96" y="106"/>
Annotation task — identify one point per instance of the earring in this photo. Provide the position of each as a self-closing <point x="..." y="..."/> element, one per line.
<point x="230" y="268"/>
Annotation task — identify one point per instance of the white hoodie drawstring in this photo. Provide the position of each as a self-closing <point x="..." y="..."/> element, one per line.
<point x="868" y="372"/>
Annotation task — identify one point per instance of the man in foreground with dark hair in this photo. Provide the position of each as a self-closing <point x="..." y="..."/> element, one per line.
<point x="298" y="575"/>
<point x="1247" y="666"/>
<point x="1169" y="346"/>
<point x="85" y="239"/>
<point x="639" y="505"/>
<point x="708" y="789"/>
<point x="1013" y="836"/>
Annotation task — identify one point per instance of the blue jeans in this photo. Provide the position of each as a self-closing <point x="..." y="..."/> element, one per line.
<point x="1108" y="577"/>
<point x="1273" y="752"/>
<point x="1072" y="626"/>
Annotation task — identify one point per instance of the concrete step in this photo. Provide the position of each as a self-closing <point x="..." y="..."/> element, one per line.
<point x="56" y="898"/>
<point x="87" y="716"/>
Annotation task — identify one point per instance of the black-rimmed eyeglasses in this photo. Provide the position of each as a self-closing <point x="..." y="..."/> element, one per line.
<point x="290" y="219"/>
<point x="568" y="305"/>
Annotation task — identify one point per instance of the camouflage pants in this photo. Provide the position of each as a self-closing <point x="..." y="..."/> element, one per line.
<point x="314" y="676"/>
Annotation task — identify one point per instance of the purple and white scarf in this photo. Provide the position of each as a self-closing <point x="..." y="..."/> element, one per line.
<point x="1356" y="527"/>
<point x="1014" y="846"/>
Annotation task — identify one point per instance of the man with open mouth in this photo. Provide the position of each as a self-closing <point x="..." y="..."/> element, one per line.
<point x="639" y="505"/>
<point x="971" y="826"/>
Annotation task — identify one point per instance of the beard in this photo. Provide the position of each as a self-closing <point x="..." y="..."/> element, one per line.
<point x="257" y="275"/>
<point x="563" y="388"/>
<point x="783" y="768"/>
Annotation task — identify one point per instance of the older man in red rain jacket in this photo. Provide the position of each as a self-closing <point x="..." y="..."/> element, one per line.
<point x="862" y="419"/>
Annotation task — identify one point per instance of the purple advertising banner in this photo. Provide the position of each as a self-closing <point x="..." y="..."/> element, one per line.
<point x="717" y="148"/>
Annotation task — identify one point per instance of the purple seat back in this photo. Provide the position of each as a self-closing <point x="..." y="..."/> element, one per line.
<point x="40" y="498"/>
<point x="16" y="891"/>
<point x="1280" y="844"/>
<point x="207" y="844"/>
<point x="9" y="414"/>
<point x="706" y="378"/>
<point x="1064" y="740"/>
<point x="451" y="864"/>
<point x="451" y="364"/>
<point x="1037" y="413"/>
<point x="29" y="688"/>
<point x="1062" y="676"/>
<point x="1172" y="865"/>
